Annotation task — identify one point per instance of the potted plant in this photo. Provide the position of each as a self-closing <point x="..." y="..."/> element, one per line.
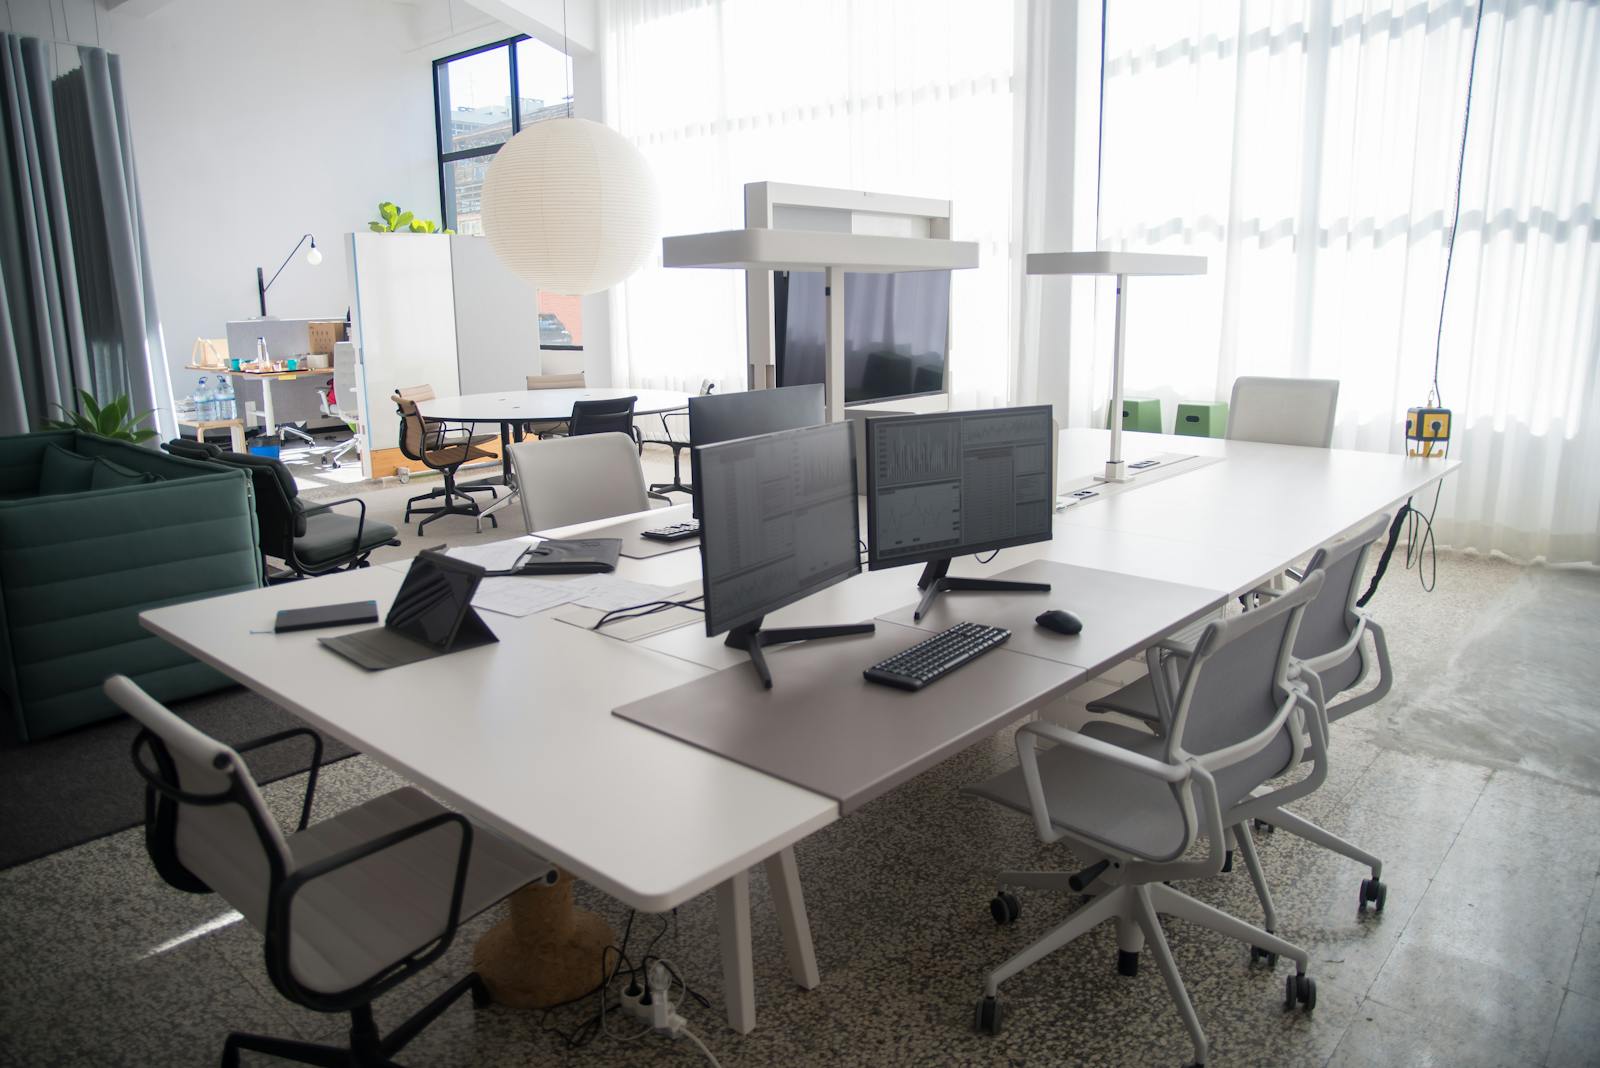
<point x="115" y="420"/>
<point x="392" y="220"/>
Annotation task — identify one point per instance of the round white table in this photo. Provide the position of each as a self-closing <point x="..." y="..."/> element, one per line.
<point x="512" y="408"/>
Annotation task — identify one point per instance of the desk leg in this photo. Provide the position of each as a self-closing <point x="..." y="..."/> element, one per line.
<point x="738" y="972"/>
<point x="266" y="406"/>
<point x="783" y="876"/>
<point x="236" y="436"/>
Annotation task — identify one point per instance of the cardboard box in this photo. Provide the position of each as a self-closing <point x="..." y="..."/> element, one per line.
<point x="324" y="334"/>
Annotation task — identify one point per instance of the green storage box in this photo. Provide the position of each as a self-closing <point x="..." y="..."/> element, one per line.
<point x="1139" y="413"/>
<point x="1202" y="420"/>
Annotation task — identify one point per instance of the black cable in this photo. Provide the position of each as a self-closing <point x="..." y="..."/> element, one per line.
<point x="1455" y="219"/>
<point x="648" y="608"/>
<point x="989" y="559"/>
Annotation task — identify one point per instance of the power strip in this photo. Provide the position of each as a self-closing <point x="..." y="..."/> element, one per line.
<point x="658" y="1010"/>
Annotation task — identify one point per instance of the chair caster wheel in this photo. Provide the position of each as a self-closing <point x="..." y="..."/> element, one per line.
<point x="1263" y="826"/>
<point x="1376" y="892"/>
<point x="480" y="995"/>
<point x="1005" y="908"/>
<point x="1127" y="963"/>
<point x="1227" y="860"/>
<point x="1257" y="953"/>
<point x="1300" y="990"/>
<point x="987" y="1017"/>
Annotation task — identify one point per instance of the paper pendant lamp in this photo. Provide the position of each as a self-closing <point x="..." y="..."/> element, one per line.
<point x="571" y="206"/>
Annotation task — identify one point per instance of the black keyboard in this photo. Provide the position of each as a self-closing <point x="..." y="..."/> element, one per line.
<point x="675" y="532"/>
<point x="933" y="659"/>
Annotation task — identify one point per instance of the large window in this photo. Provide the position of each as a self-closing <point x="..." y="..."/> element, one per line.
<point x="482" y="98"/>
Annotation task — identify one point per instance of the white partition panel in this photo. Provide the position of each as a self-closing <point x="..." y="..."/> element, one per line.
<point x="404" y="321"/>
<point x="497" y="319"/>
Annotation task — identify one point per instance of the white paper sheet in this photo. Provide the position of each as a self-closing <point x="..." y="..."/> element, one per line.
<point x="518" y="595"/>
<point x="608" y="593"/>
<point x="494" y="555"/>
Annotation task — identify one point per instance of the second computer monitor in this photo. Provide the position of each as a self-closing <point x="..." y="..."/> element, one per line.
<point x="730" y="416"/>
<point x="952" y="483"/>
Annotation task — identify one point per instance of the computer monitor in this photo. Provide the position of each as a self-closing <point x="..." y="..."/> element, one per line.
<point x="778" y="523"/>
<point x="947" y="484"/>
<point x="729" y="416"/>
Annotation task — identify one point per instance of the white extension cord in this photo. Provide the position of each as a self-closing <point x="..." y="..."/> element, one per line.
<point x="660" y="1013"/>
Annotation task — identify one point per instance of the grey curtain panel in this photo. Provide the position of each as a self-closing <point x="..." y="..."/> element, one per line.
<point x="77" y="310"/>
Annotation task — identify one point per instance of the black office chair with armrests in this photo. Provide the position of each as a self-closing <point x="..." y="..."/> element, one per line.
<point x="311" y="539"/>
<point x="603" y="417"/>
<point x="349" y="907"/>
<point x="674" y="434"/>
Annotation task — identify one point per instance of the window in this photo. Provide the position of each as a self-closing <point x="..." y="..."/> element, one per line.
<point x="482" y="98"/>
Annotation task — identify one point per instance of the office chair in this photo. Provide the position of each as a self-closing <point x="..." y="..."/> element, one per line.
<point x="578" y="479"/>
<point x="1134" y="804"/>
<point x="312" y="540"/>
<point x="349" y="908"/>
<point x="545" y="428"/>
<point x="1334" y="661"/>
<point x="433" y="445"/>
<point x="674" y="434"/>
<point x="1283" y="411"/>
<point x="338" y="401"/>
<point x="604" y="417"/>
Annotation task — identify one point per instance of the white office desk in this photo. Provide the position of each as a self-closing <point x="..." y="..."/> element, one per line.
<point x="520" y="734"/>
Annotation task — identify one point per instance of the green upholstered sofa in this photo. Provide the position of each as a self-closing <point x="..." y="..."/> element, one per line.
<point x="92" y="532"/>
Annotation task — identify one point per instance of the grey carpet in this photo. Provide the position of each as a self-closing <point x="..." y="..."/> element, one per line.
<point x="75" y="787"/>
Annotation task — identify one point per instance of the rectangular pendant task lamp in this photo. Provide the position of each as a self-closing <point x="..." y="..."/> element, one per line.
<point x="763" y="249"/>
<point x="1122" y="265"/>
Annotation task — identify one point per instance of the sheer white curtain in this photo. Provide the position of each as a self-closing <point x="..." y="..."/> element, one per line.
<point x="1309" y="150"/>
<point x="896" y="96"/>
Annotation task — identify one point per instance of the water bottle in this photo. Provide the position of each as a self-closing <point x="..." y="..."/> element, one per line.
<point x="187" y="410"/>
<point x="202" y="401"/>
<point x="226" y="406"/>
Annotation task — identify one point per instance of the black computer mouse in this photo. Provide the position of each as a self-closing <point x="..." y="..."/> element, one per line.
<point x="1060" y="621"/>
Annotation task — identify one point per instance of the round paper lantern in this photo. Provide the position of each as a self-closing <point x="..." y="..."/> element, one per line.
<point x="571" y="206"/>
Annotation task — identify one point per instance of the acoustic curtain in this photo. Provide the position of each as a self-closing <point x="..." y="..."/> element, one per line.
<point x="909" y="97"/>
<point x="1309" y="149"/>
<point x="77" y="310"/>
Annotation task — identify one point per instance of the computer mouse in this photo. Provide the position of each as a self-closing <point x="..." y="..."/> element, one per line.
<point x="1060" y="621"/>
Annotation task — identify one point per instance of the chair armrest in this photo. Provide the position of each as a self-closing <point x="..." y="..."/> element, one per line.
<point x="1027" y="756"/>
<point x="361" y="520"/>
<point x="316" y="761"/>
<point x="278" y="927"/>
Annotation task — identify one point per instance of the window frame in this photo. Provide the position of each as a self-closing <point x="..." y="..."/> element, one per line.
<point x="445" y="159"/>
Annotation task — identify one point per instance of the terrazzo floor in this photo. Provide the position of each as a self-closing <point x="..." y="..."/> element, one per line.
<point x="1488" y="952"/>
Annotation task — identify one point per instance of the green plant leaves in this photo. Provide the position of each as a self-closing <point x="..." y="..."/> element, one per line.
<point x="111" y="421"/>
<point x="377" y="227"/>
<point x="392" y="219"/>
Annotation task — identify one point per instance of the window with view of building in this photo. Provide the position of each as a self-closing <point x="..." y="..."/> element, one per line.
<point x="482" y="98"/>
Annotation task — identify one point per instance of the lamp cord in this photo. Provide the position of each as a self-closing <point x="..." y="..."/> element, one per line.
<point x="1435" y="397"/>
<point x="566" y="53"/>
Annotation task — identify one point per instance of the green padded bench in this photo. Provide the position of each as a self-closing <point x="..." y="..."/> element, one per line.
<point x="93" y="532"/>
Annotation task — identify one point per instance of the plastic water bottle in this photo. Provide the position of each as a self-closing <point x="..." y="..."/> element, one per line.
<point x="226" y="406"/>
<point x="202" y="401"/>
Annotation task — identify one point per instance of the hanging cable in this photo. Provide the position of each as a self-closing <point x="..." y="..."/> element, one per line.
<point x="1434" y="397"/>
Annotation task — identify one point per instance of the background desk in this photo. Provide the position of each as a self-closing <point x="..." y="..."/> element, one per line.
<point x="520" y="734"/>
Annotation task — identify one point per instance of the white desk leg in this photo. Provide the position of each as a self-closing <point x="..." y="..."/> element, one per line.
<point x="266" y="406"/>
<point x="738" y="973"/>
<point x="236" y="436"/>
<point x="783" y="875"/>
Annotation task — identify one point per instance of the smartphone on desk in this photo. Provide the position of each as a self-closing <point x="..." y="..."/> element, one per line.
<point x="326" y="615"/>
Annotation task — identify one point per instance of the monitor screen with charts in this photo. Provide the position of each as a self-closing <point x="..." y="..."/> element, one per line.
<point x="953" y="483"/>
<point x="777" y="521"/>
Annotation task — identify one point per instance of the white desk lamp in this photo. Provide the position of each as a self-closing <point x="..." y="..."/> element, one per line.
<point x="1122" y="265"/>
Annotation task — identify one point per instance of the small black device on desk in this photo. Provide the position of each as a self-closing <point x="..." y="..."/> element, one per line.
<point x="1059" y="620"/>
<point x="575" y="556"/>
<point x="432" y="615"/>
<point x="932" y="659"/>
<point x="675" y="532"/>
<point x="326" y="615"/>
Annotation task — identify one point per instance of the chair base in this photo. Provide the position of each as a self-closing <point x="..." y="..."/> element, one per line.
<point x="1136" y="909"/>
<point x="677" y="485"/>
<point x="457" y="501"/>
<point x="366" y="1049"/>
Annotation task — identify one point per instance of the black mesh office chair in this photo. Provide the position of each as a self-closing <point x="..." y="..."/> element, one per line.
<point x="604" y="417"/>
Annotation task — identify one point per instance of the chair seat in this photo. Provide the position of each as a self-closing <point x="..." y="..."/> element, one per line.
<point x="1092" y="797"/>
<point x="1136" y="700"/>
<point x="455" y="455"/>
<point x="357" y="921"/>
<point x="331" y="536"/>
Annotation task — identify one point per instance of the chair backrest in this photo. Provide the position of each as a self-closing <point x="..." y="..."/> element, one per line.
<point x="206" y="826"/>
<point x="1331" y="619"/>
<point x="571" y="381"/>
<point x="414" y="430"/>
<point x="1232" y="689"/>
<point x="1283" y="411"/>
<point x="602" y="416"/>
<point x="280" y="517"/>
<point x="414" y="393"/>
<point x="562" y="481"/>
<point x="344" y="381"/>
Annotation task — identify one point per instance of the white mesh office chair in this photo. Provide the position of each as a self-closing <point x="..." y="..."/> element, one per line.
<point x="1283" y="411"/>
<point x="1135" y="804"/>
<point x="340" y="403"/>
<point x="562" y="481"/>
<point x="1335" y="658"/>
<point x="349" y="907"/>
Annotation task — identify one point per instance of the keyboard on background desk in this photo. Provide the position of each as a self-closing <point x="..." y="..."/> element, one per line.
<point x="675" y="532"/>
<point x="931" y="660"/>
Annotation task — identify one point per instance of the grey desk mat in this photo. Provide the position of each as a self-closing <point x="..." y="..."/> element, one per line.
<point x="825" y="728"/>
<point x="641" y="548"/>
<point x="1121" y="614"/>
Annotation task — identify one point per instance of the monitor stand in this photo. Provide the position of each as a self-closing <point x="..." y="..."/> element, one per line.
<point x="933" y="582"/>
<point x="751" y="638"/>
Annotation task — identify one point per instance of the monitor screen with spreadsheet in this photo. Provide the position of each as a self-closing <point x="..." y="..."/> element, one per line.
<point x="777" y="521"/>
<point x="952" y="483"/>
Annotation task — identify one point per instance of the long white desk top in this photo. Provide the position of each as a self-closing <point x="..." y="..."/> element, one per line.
<point x="521" y="735"/>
